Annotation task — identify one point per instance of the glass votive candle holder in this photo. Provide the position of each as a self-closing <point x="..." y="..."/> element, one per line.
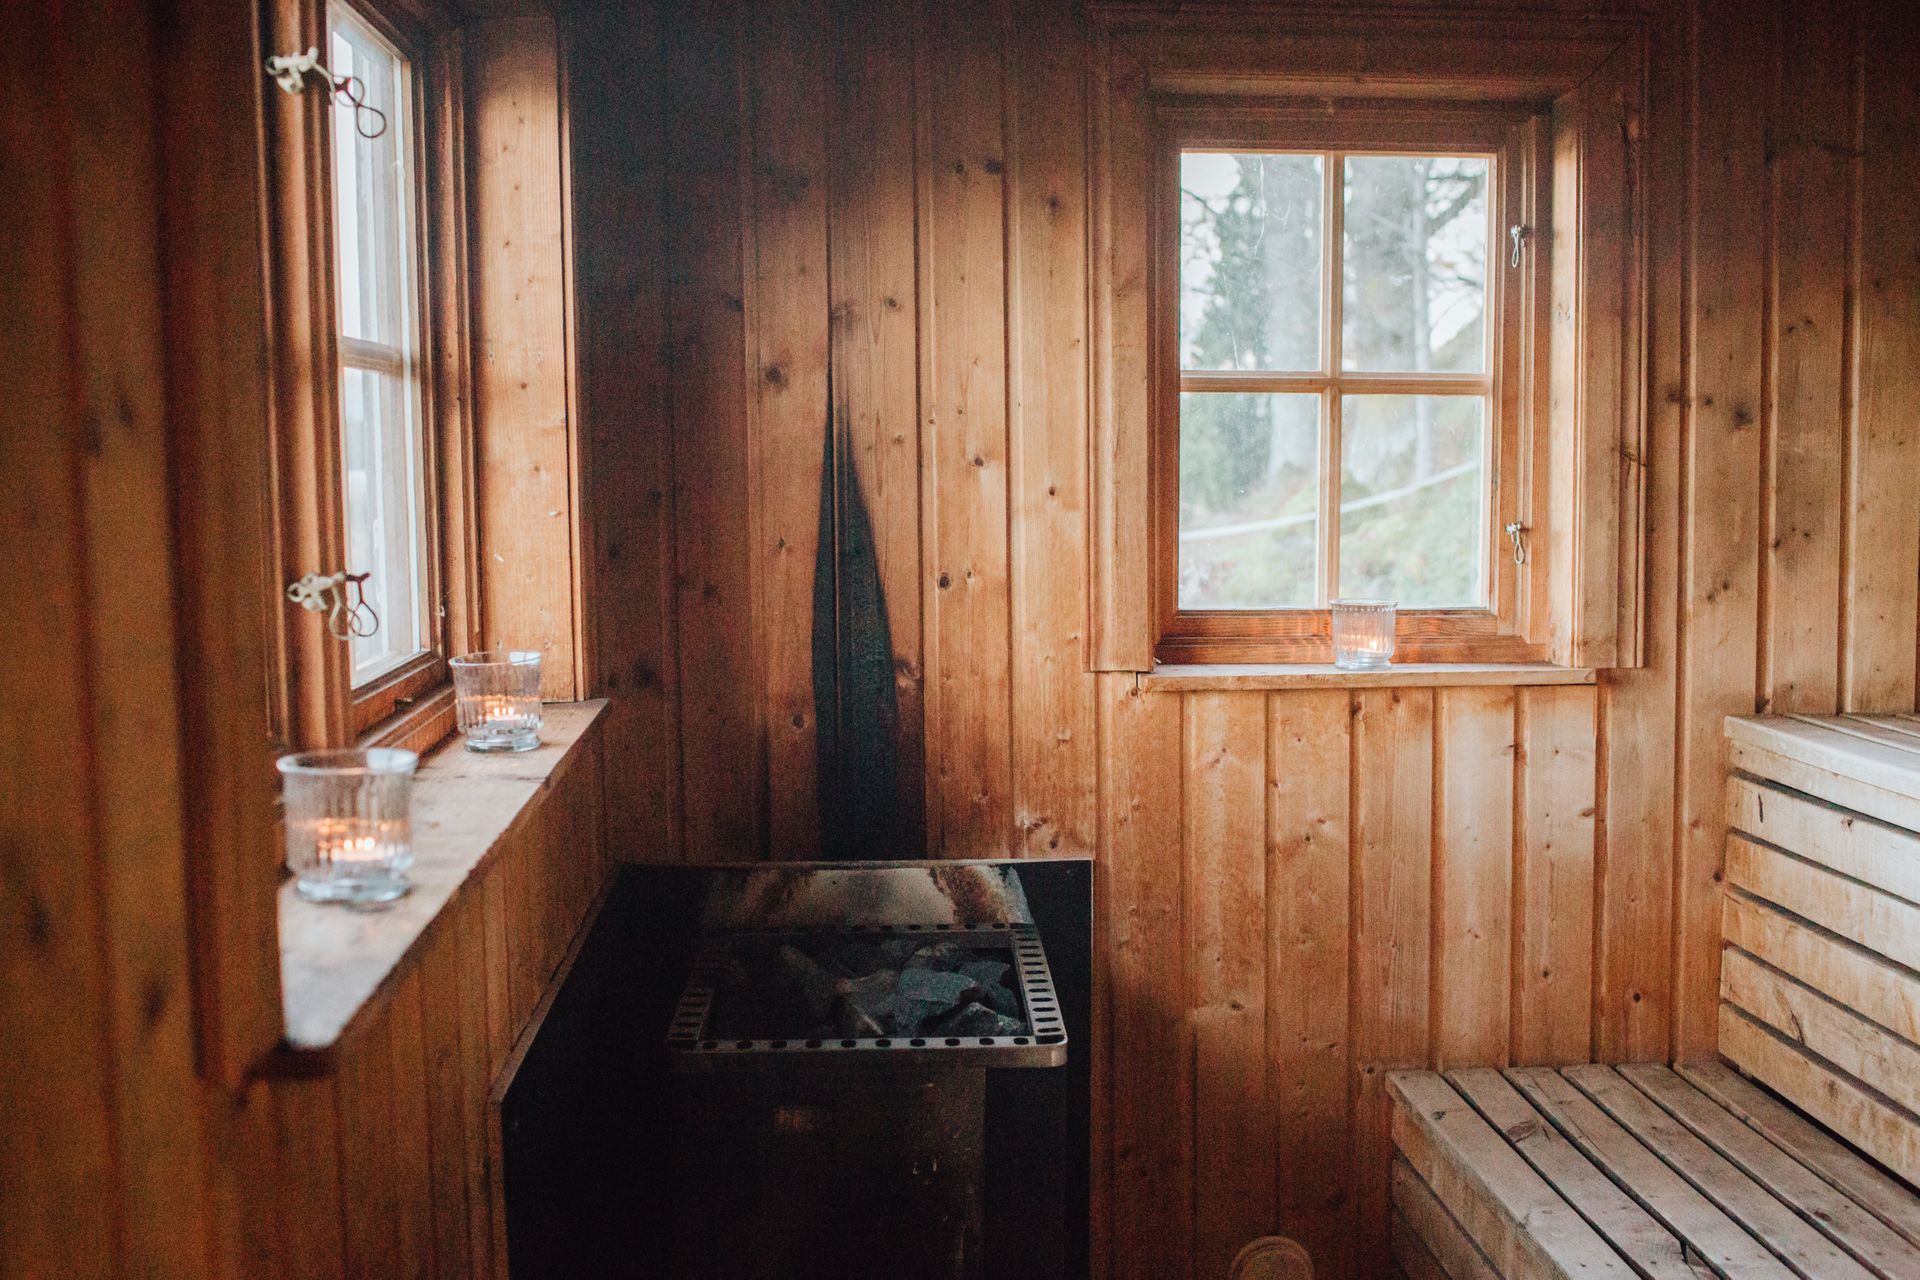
<point x="1363" y="634"/>
<point x="496" y="696"/>
<point x="349" y="824"/>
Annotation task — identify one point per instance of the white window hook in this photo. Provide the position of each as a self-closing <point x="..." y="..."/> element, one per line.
<point x="342" y="596"/>
<point x="290" y="72"/>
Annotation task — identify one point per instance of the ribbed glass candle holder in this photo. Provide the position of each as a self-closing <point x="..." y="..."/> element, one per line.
<point x="1363" y="634"/>
<point x="496" y="696"/>
<point x="349" y="823"/>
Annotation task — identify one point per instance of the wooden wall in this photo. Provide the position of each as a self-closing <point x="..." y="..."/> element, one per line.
<point x="136" y="756"/>
<point x="796" y="213"/>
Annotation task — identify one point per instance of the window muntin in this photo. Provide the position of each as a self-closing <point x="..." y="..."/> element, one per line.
<point x="383" y="451"/>
<point x="1391" y="367"/>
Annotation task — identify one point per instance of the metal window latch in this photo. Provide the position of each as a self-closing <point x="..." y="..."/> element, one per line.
<point x="1518" y="233"/>
<point x="1517" y="532"/>
<point x="291" y="70"/>
<point x="342" y="597"/>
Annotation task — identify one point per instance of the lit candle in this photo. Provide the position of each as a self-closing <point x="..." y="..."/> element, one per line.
<point x="496" y="698"/>
<point x="349" y="836"/>
<point x="1363" y="634"/>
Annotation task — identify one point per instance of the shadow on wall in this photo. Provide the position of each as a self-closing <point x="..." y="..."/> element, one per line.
<point x="856" y="708"/>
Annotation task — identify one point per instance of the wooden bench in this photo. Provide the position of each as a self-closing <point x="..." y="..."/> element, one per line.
<point x="1720" y="1169"/>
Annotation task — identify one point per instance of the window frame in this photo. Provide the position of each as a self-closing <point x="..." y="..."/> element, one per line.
<point x="1514" y="136"/>
<point x="311" y="697"/>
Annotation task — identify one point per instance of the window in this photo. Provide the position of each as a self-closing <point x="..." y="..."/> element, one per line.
<point x="372" y="446"/>
<point x="1343" y="405"/>
<point x="383" y="454"/>
<point x="1323" y="394"/>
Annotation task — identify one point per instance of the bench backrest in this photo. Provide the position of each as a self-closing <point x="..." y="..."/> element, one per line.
<point x="1820" y="963"/>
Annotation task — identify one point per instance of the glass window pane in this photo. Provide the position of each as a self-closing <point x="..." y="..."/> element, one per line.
<point x="370" y="188"/>
<point x="384" y="537"/>
<point x="1414" y="265"/>
<point x="1249" y="495"/>
<point x="1250" y="266"/>
<point x="383" y="457"/>
<point x="1413" y="499"/>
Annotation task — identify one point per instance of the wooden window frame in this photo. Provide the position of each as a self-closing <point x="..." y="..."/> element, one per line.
<point x="1581" y="81"/>
<point x="313" y="701"/>
<point x="1507" y="137"/>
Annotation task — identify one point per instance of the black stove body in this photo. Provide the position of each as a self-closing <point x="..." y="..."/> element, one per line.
<point x="843" y="1070"/>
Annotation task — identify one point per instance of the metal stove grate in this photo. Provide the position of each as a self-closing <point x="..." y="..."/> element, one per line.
<point x="1045" y="1046"/>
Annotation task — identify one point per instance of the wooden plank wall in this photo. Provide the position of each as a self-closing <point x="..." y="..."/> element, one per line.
<point x="1297" y="890"/>
<point x="136" y="748"/>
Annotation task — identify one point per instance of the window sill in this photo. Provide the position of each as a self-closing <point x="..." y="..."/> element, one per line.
<point x="1196" y="677"/>
<point x="338" y="965"/>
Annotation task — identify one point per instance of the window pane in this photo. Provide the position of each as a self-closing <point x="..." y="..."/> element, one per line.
<point x="383" y="457"/>
<point x="1414" y="265"/>
<point x="370" y="188"/>
<point x="1412" y="499"/>
<point x="1249" y="490"/>
<point x="1250" y="261"/>
<point x="384" y="536"/>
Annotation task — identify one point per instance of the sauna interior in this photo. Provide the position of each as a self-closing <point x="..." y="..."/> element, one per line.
<point x="922" y="443"/>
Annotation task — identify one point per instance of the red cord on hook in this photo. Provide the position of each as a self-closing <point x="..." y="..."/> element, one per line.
<point x="290" y="72"/>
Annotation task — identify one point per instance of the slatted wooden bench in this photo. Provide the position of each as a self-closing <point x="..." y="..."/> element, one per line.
<point x="1796" y="1157"/>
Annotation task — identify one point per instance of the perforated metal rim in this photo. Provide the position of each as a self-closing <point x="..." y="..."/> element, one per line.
<point x="1044" y="1046"/>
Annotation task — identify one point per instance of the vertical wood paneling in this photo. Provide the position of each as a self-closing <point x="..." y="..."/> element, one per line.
<point x="721" y="765"/>
<point x="1224" y="774"/>
<point x="964" y="452"/>
<point x="1882" y="441"/>
<point x="875" y="349"/>
<point x="443" y="1069"/>
<point x="1120" y="144"/>
<point x="410" y="1231"/>
<point x="1803" y="511"/>
<point x="242" y="1216"/>
<point x="134" y="729"/>
<point x="311" y="1225"/>
<point x="616" y="68"/>
<point x="1308" y="750"/>
<point x="1553" y="877"/>
<point x="56" y="1188"/>
<point x="1151" y="1103"/>
<point x="784" y="83"/>
<point x="1053" y="700"/>
<point x="1390" y="922"/>
<point x="1719" y="588"/>
<point x="521" y="390"/>
<point x="1636" y="724"/>
<point x="369" y="1194"/>
<point x="1472" y="875"/>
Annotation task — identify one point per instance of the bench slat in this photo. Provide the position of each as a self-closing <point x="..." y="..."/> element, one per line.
<point x="1445" y="1241"/>
<point x="1864" y="1050"/>
<point x="1410" y="1252"/>
<point x="1701" y="1224"/>
<point x="1875" y="920"/>
<point x="1886" y="857"/>
<point x="1830" y="1210"/>
<point x="1882" y="1130"/>
<point x="1869" y="984"/>
<point x="1867" y="1186"/>
<point x="1630" y="1229"/>
<point x="1841" y="788"/>
<point x="1509" y="1211"/>
<point x="1753" y="1206"/>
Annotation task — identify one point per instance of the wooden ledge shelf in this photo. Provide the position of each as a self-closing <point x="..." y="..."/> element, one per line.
<point x="1195" y="677"/>
<point x="337" y="964"/>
